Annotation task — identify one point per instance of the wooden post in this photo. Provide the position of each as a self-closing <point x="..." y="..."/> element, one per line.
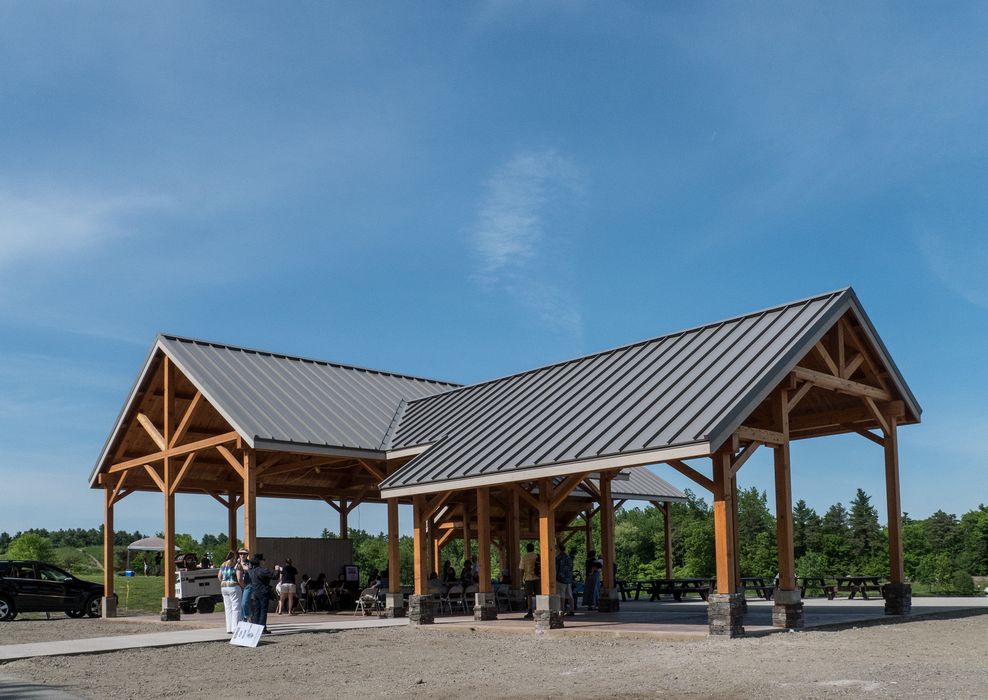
<point x="250" y="500"/>
<point x="667" y="528"/>
<point x="484" y="539"/>
<point x="419" y="545"/>
<point x="588" y="529"/>
<point x="466" y="528"/>
<point x="547" y="537"/>
<point x="437" y="549"/>
<point x="783" y="499"/>
<point x="514" y="538"/>
<point x="394" y="554"/>
<point x="344" y="523"/>
<point x="231" y="520"/>
<point x="108" y="543"/>
<point x="727" y="581"/>
<point x="896" y="570"/>
<point x="169" y="554"/>
<point x="607" y="531"/>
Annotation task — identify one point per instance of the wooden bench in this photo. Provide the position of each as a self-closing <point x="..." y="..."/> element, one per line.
<point x="757" y="584"/>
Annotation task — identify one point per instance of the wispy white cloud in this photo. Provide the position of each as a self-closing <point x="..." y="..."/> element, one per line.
<point x="58" y="225"/>
<point x="520" y="235"/>
<point x="959" y="261"/>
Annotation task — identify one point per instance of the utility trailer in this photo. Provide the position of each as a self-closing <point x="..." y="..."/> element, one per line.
<point x="198" y="590"/>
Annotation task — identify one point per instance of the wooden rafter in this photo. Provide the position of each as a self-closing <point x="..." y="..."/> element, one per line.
<point x="562" y="492"/>
<point x="222" y="501"/>
<point x="435" y="504"/>
<point x="177" y="451"/>
<point x="590" y="488"/>
<point x="232" y="461"/>
<point x="821" y="351"/>
<point x="851" y="367"/>
<point x="152" y="432"/>
<point x="189" y="459"/>
<point x="332" y="504"/>
<point x="155" y="477"/>
<point x="879" y="416"/>
<point x="798" y="395"/>
<point x="748" y="434"/>
<point x="183" y="425"/>
<point x="372" y="469"/>
<point x="525" y="495"/>
<point x="691" y="473"/>
<point x="877" y="439"/>
<point x="862" y="347"/>
<point x="115" y="495"/>
<point x="845" y="386"/>
<point x="743" y="457"/>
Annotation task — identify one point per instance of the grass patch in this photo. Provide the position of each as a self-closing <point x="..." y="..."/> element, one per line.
<point x="136" y="594"/>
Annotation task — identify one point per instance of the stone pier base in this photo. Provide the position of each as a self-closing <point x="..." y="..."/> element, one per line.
<point x="170" y="612"/>
<point x="109" y="607"/>
<point x="421" y="610"/>
<point x="548" y="612"/>
<point x="725" y="615"/>
<point x="898" y="598"/>
<point x="610" y="600"/>
<point x="485" y="606"/>
<point x="394" y="605"/>
<point x="788" y="610"/>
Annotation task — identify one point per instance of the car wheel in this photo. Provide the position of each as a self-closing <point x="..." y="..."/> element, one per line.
<point x="75" y="613"/>
<point x="187" y="608"/>
<point x="94" y="607"/>
<point x="7" y="609"/>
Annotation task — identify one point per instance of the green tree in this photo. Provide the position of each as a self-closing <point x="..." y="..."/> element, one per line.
<point x="834" y="539"/>
<point x="865" y="541"/>
<point x="805" y="529"/>
<point x="31" y="545"/>
<point x="756" y="534"/>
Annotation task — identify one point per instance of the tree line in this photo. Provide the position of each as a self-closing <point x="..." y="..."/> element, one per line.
<point x="941" y="552"/>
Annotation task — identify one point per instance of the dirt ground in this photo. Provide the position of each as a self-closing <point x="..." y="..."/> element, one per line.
<point x="37" y="629"/>
<point x="929" y="658"/>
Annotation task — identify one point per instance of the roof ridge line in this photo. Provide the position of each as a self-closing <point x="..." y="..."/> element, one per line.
<point x="301" y="358"/>
<point x="389" y="434"/>
<point x="627" y="346"/>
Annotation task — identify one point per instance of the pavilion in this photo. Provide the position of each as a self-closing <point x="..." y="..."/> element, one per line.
<point x="532" y="455"/>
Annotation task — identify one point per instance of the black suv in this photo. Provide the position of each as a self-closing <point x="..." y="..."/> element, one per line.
<point x="33" y="586"/>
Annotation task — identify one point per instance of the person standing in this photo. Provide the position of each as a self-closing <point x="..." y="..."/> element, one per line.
<point x="230" y="588"/>
<point x="288" y="575"/>
<point x="529" y="577"/>
<point x="260" y="581"/>
<point x="243" y="569"/>
<point x="564" y="581"/>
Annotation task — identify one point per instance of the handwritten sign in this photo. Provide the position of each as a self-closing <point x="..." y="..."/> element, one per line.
<point x="247" y="634"/>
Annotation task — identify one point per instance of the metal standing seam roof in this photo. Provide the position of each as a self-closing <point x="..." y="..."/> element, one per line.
<point x="687" y="390"/>
<point x="643" y="485"/>
<point x="275" y="400"/>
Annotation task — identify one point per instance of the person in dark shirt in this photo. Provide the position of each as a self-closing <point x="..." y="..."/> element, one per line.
<point x="289" y="574"/>
<point x="260" y="581"/>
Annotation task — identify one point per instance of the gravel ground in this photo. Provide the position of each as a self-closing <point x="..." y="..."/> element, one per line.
<point x="26" y="630"/>
<point x="931" y="658"/>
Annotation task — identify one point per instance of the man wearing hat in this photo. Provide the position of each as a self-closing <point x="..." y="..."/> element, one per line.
<point x="260" y="581"/>
<point x="243" y="575"/>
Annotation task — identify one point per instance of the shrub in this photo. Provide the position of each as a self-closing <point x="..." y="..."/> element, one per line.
<point x="31" y="546"/>
<point x="962" y="583"/>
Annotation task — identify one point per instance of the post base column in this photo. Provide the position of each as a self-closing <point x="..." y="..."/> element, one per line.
<point x="548" y="612"/>
<point x="170" y="611"/>
<point x="610" y="600"/>
<point x="788" y="610"/>
<point x="421" y="610"/>
<point x="725" y="615"/>
<point x="109" y="607"/>
<point x="394" y="605"/>
<point x="484" y="607"/>
<point x="898" y="598"/>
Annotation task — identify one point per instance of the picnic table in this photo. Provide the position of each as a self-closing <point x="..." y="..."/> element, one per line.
<point x="861" y="584"/>
<point x="816" y="583"/>
<point x="656" y="588"/>
<point x="757" y="584"/>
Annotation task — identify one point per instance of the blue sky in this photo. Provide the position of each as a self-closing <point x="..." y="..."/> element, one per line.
<point x="464" y="190"/>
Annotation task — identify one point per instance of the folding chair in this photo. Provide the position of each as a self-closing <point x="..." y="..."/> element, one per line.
<point x="367" y="602"/>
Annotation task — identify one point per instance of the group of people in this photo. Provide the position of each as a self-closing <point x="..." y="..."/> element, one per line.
<point x="469" y="574"/>
<point x="530" y="566"/>
<point x="246" y="584"/>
